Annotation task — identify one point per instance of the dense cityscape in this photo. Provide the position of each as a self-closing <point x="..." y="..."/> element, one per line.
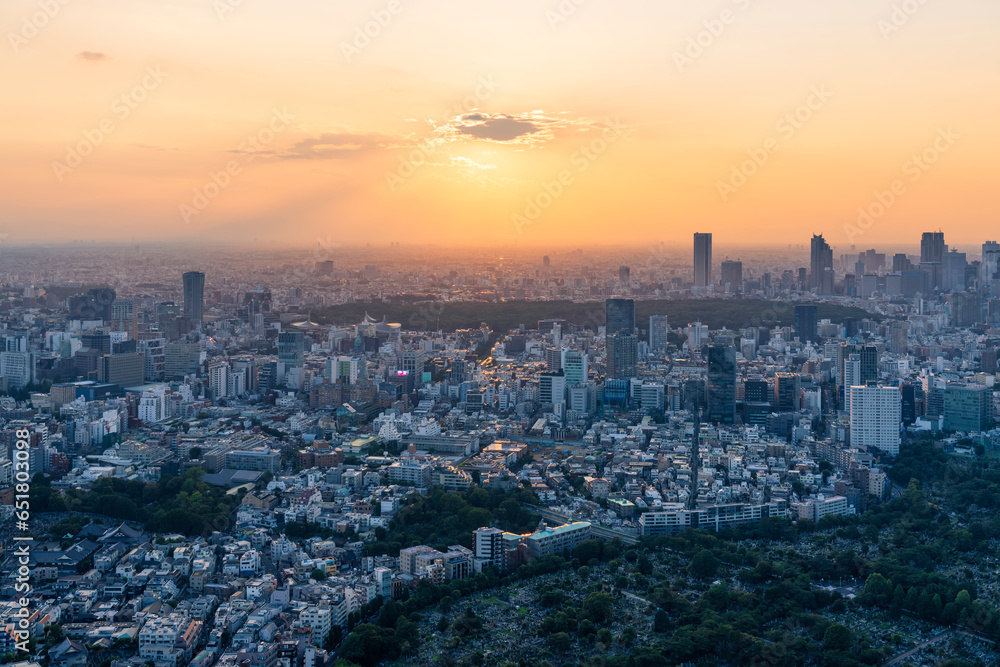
<point x="390" y="455"/>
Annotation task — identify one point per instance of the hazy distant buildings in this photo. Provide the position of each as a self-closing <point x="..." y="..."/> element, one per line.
<point x="194" y="296"/>
<point x="989" y="268"/>
<point x="732" y="275"/>
<point x="702" y="260"/>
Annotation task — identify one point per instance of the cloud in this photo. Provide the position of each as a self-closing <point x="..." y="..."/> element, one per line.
<point x="502" y="128"/>
<point x="331" y="145"/>
<point x="532" y="128"/>
<point x="92" y="56"/>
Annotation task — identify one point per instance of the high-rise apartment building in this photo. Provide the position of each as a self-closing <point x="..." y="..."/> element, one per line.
<point x="721" y="385"/>
<point x="875" y="418"/>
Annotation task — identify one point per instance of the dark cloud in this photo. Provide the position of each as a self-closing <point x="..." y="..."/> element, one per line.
<point x="498" y="128"/>
<point x="92" y="56"/>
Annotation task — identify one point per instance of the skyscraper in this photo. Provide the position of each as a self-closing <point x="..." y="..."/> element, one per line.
<point x="658" y="333"/>
<point x="732" y="275"/>
<point x="807" y="323"/>
<point x="702" y="260"/>
<point x="932" y="247"/>
<point x="721" y="386"/>
<point x="989" y="269"/>
<point x="821" y="265"/>
<point x="619" y="316"/>
<point x="194" y="296"/>
<point x="932" y="252"/>
<point x="622" y="356"/>
<point x="624" y="275"/>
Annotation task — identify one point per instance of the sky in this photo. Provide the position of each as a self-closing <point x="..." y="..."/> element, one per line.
<point x="530" y="122"/>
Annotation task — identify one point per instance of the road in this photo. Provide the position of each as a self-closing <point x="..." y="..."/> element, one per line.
<point x="936" y="639"/>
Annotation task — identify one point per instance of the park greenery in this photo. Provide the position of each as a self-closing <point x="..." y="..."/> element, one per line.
<point x="174" y="504"/>
<point x="509" y="315"/>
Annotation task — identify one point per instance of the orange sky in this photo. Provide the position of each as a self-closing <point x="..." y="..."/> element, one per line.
<point x="456" y="121"/>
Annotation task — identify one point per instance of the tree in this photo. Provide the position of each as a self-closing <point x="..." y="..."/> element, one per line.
<point x="560" y="642"/>
<point x="194" y="453"/>
<point x="661" y="622"/>
<point x="597" y="607"/>
<point x="837" y="638"/>
<point x="878" y="590"/>
<point x="318" y="574"/>
<point x="703" y="565"/>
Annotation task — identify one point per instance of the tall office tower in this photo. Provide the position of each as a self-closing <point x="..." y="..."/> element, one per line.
<point x="574" y="365"/>
<point x="807" y="323"/>
<point x="875" y="417"/>
<point x="900" y="263"/>
<point x="622" y="356"/>
<point x="702" y="260"/>
<point x="820" y="259"/>
<point x="852" y="377"/>
<point x="953" y="271"/>
<point x="732" y="275"/>
<point x="194" y="296"/>
<point x="932" y="256"/>
<point x="966" y="309"/>
<point x="787" y="387"/>
<point x="803" y="279"/>
<point x="869" y="362"/>
<point x="721" y="385"/>
<point x="619" y="316"/>
<point x="899" y="334"/>
<point x="932" y="247"/>
<point x="658" y="333"/>
<point x="546" y="262"/>
<point x="624" y="275"/>
<point x="553" y="359"/>
<point x="291" y="348"/>
<point x="989" y="268"/>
